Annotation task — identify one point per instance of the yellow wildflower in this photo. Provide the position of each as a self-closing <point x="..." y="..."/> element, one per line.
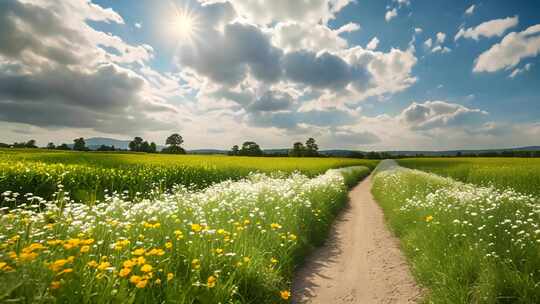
<point x="170" y="276"/>
<point x="135" y="279"/>
<point x="92" y="264"/>
<point x="139" y="251"/>
<point x="429" y="218"/>
<point x="168" y="245"/>
<point x="275" y="226"/>
<point x="219" y="251"/>
<point x="85" y="249"/>
<point x="196" y="227"/>
<point x="211" y="282"/>
<point x="55" y="284"/>
<point x="195" y="264"/>
<point x="141" y="284"/>
<point x="57" y="265"/>
<point x="146" y="268"/>
<point x="124" y="272"/>
<point x="103" y="266"/>
<point x="128" y="264"/>
<point x="273" y="261"/>
<point x="285" y="294"/>
<point x="158" y="281"/>
<point x="67" y="270"/>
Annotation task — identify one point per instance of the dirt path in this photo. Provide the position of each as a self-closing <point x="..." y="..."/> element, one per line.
<point x="360" y="263"/>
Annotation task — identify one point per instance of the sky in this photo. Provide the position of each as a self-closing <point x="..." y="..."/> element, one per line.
<point x="353" y="74"/>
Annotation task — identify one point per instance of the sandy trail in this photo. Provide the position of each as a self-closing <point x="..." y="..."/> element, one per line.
<point x="361" y="261"/>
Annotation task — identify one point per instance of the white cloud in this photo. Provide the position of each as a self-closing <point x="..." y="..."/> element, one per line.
<point x="510" y="51"/>
<point x="418" y="30"/>
<point x="470" y="10"/>
<point x="441" y="49"/>
<point x="390" y="14"/>
<point x="373" y="43"/>
<point x="266" y="12"/>
<point x="518" y="71"/>
<point x="440" y="114"/>
<point x="349" y="28"/>
<point x="428" y="43"/>
<point x="292" y="36"/>
<point x="138" y="25"/>
<point x="441" y="37"/>
<point x="488" y="29"/>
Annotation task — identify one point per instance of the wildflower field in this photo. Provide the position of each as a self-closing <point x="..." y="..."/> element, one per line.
<point x="87" y="176"/>
<point x="467" y="243"/>
<point x="237" y="240"/>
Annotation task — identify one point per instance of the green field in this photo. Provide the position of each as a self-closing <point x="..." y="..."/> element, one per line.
<point x="520" y="174"/>
<point x="88" y="175"/>
<point x="467" y="243"/>
<point x="235" y="237"/>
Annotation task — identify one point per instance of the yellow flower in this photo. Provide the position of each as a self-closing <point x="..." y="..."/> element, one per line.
<point x="88" y="241"/>
<point x="285" y="294"/>
<point x="124" y="272"/>
<point x="92" y="264"/>
<point x="28" y="256"/>
<point x="195" y="264"/>
<point x="292" y="237"/>
<point x="141" y="284"/>
<point x="54" y="242"/>
<point x="168" y="245"/>
<point x="275" y="226"/>
<point x="128" y="264"/>
<point x="57" y="265"/>
<point x="140" y="260"/>
<point x="146" y="268"/>
<point x="68" y="270"/>
<point x="221" y="231"/>
<point x="196" y="227"/>
<point x="211" y="282"/>
<point x="156" y="251"/>
<point x="158" y="281"/>
<point x="273" y="261"/>
<point x="247" y="259"/>
<point x="139" y="251"/>
<point x="429" y="218"/>
<point x="135" y="279"/>
<point x="55" y="284"/>
<point x="85" y="249"/>
<point x="219" y="251"/>
<point x="170" y="276"/>
<point x="2" y="265"/>
<point x="103" y="266"/>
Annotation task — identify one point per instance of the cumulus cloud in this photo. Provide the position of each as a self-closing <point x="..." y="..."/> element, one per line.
<point x="293" y="36"/>
<point x="510" y="51"/>
<point x="57" y="71"/>
<point x="488" y="29"/>
<point x="418" y="30"/>
<point x="441" y="37"/>
<point x="440" y="114"/>
<point x="436" y="45"/>
<point x="266" y="12"/>
<point x="373" y="43"/>
<point x="390" y="14"/>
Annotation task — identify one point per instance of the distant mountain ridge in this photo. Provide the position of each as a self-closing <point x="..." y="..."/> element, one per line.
<point x="95" y="142"/>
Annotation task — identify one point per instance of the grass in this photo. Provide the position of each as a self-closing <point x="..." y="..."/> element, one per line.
<point x="233" y="242"/>
<point x="521" y="174"/>
<point x="466" y="243"/>
<point x="87" y="176"/>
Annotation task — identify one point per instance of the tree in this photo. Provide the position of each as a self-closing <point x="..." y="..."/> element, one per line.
<point x="153" y="147"/>
<point x="104" y="148"/>
<point x="63" y="147"/>
<point x="312" y="149"/>
<point x="298" y="150"/>
<point x="250" y="148"/>
<point x="79" y="144"/>
<point x="174" y="143"/>
<point x="51" y="146"/>
<point x="145" y="147"/>
<point x="135" y="144"/>
<point x="31" y="144"/>
<point x="235" y="150"/>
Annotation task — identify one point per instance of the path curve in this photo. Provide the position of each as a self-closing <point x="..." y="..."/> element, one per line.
<point x="361" y="261"/>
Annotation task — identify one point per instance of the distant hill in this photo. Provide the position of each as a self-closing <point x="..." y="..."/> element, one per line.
<point x="95" y="142"/>
<point x="455" y="152"/>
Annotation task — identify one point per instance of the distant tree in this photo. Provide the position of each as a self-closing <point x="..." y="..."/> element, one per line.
<point x="63" y="147"/>
<point x="298" y="150"/>
<point x="51" y="146"/>
<point x="174" y="143"/>
<point x="312" y="149"/>
<point x="105" y="148"/>
<point x="153" y="147"/>
<point x="356" y="154"/>
<point x="136" y="144"/>
<point x="31" y="144"/>
<point x="79" y="144"/>
<point x="145" y="147"/>
<point x="235" y="150"/>
<point x="250" y="148"/>
<point x="4" y="145"/>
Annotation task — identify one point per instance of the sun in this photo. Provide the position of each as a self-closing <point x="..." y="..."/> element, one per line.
<point x="185" y="25"/>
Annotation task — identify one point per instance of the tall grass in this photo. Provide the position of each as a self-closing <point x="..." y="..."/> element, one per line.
<point x="87" y="176"/>
<point x="233" y="242"/>
<point x="521" y="174"/>
<point x="466" y="243"/>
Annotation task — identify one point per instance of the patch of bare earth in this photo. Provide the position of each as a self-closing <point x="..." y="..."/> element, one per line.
<point x="360" y="263"/>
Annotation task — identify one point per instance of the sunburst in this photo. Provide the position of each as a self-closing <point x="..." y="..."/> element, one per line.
<point x="185" y="25"/>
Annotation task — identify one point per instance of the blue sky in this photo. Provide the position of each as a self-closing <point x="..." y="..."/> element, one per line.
<point x="359" y="74"/>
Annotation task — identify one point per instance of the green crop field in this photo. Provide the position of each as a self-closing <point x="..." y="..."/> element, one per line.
<point x="467" y="243"/>
<point x="87" y="176"/>
<point x="520" y="174"/>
